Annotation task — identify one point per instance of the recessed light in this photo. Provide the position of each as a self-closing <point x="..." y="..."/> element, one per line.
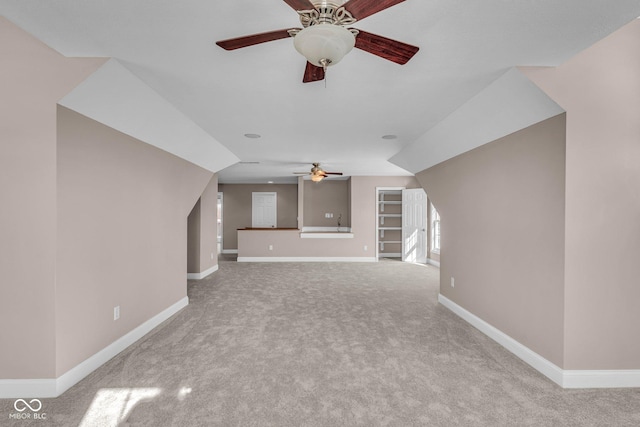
<point x="390" y="137"/>
<point x="269" y="182"/>
<point x="252" y="135"/>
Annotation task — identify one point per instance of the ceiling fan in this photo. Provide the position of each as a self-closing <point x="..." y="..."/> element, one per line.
<point x="325" y="40"/>
<point x="317" y="173"/>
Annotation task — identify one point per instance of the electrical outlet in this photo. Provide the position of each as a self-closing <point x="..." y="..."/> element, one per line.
<point x="211" y="255"/>
<point x="453" y="282"/>
<point x="365" y="248"/>
<point x="270" y="247"/>
<point x="116" y="312"/>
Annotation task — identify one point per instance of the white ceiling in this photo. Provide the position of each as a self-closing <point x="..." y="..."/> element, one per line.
<point x="465" y="46"/>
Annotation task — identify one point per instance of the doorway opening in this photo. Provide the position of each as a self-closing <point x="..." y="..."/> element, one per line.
<point x="219" y="222"/>
<point x="401" y="230"/>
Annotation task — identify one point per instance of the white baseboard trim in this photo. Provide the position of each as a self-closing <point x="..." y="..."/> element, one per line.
<point x="433" y="262"/>
<point x="622" y="378"/>
<point x="564" y="378"/>
<point x="36" y="388"/>
<point x="229" y="251"/>
<point x="45" y="388"/>
<point x="306" y="259"/>
<point x="199" y="276"/>
<point x="548" y="369"/>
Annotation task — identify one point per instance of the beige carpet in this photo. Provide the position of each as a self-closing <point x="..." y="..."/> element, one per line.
<point x="323" y="344"/>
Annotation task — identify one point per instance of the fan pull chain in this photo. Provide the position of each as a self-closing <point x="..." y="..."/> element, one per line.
<point x="325" y="63"/>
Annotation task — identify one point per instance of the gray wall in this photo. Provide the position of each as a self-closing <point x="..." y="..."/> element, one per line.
<point x="34" y="78"/>
<point x="363" y="226"/>
<point x="122" y="234"/>
<point x="328" y="196"/>
<point x="600" y="90"/>
<point x="502" y="216"/>
<point x="91" y="219"/>
<point x="193" y="238"/>
<point x="237" y="208"/>
<point x="202" y="247"/>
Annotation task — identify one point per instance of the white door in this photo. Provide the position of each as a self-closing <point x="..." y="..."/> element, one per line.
<point x="414" y="225"/>
<point x="263" y="210"/>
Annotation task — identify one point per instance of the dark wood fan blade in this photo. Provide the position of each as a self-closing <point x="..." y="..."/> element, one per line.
<point x="253" y="39"/>
<point x="312" y="73"/>
<point x="393" y="50"/>
<point x="300" y="4"/>
<point x="360" y="9"/>
<point x="332" y="173"/>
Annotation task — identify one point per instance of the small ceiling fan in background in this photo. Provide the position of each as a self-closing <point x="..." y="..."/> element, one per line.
<point x="325" y="40"/>
<point x="317" y="173"/>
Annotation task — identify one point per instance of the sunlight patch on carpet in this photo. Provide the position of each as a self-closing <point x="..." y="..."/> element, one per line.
<point x="112" y="406"/>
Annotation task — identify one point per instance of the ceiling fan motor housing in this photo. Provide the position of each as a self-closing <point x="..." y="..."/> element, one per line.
<point x="326" y="13"/>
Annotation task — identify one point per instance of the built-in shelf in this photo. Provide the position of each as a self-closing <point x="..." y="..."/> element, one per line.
<point x="389" y="227"/>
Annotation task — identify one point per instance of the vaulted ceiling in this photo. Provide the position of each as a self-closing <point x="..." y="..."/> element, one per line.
<point x="436" y="106"/>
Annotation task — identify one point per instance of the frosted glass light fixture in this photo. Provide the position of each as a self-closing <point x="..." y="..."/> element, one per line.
<point x="324" y="44"/>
